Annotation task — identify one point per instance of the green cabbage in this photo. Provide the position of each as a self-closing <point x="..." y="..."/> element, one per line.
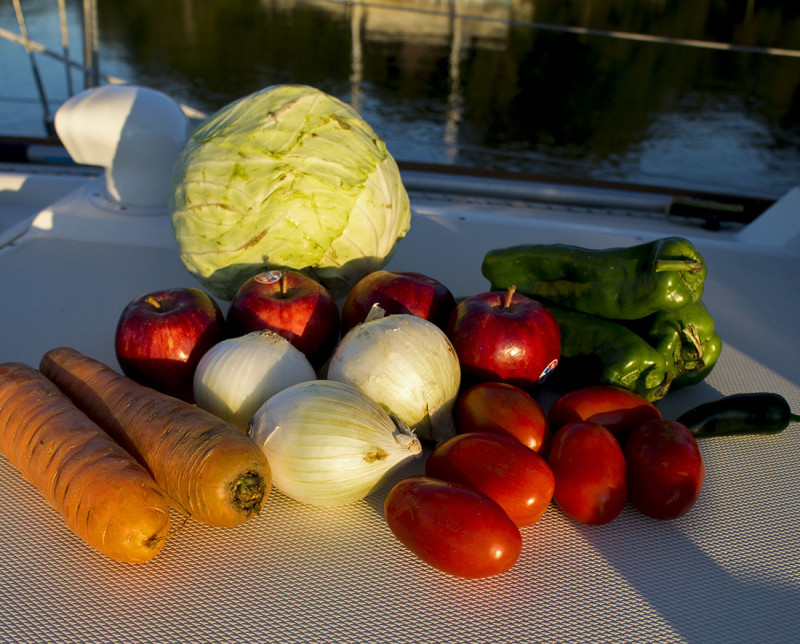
<point x="288" y="177"/>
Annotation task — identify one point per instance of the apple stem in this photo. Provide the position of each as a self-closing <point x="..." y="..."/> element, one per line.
<point x="509" y="295"/>
<point x="153" y="302"/>
<point x="282" y="282"/>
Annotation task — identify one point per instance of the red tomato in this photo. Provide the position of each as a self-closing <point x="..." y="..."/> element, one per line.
<point x="665" y="468"/>
<point x="453" y="528"/>
<point x="506" y="410"/>
<point x="515" y="477"/>
<point x="589" y="468"/>
<point x="618" y="410"/>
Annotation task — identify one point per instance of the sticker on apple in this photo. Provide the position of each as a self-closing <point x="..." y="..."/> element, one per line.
<point x="547" y="370"/>
<point x="268" y="277"/>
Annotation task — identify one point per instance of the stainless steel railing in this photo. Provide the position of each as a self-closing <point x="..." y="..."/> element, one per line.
<point x="90" y="65"/>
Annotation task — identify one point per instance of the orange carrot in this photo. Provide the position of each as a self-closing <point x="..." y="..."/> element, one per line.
<point x="105" y="497"/>
<point x="209" y="469"/>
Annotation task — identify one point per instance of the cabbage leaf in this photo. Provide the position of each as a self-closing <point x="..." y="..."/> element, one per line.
<point x="288" y="177"/>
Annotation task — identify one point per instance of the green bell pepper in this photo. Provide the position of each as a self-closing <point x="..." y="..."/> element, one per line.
<point x="625" y="283"/>
<point x="687" y="340"/>
<point x="596" y="350"/>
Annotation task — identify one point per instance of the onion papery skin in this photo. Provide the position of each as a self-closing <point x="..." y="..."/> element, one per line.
<point x="328" y="444"/>
<point x="406" y="364"/>
<point x="236" y="376"/>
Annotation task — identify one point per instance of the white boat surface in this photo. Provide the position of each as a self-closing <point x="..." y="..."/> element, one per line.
<point x="71" y="257"/>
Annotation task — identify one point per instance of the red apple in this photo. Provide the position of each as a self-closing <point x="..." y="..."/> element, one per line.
<point x="398" y="292"/>
<point x="161" y="336"/>
<point x="291" y="304"/>
<point x="505" y="337"/>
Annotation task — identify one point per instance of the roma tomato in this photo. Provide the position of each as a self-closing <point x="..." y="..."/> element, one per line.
<point x="452" y="528"/>
<point x="615" y="408"/>
<point x="515" y="477"/>
<point x="503" y="409"/>
<point x="665" y="469"/>
<point x="589" y="468"/>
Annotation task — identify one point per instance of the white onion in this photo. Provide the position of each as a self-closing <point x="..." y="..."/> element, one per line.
<point x="406" y="364"/>
<point x="328" y="444"/>
<point x="236" y="376"/>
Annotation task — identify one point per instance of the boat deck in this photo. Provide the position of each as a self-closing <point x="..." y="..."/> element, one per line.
<point x="727" y="571"/>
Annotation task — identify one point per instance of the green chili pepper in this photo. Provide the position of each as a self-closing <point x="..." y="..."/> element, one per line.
<point x="616" y="283"/>
<point x="750" y="413"/>
<point x="596" y="350"/>
<point x="687" y="340"/>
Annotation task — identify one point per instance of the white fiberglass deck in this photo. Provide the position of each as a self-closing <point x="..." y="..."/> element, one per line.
<point x="729" y="571"/>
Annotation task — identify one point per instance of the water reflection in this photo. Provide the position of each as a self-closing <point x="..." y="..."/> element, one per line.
<point x="530" y="85"/>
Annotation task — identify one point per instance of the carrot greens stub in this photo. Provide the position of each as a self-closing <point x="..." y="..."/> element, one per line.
<point x="249" y="492"/>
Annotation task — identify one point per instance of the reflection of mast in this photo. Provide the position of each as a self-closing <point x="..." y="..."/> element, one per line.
<point x="356" y="57"/>
<point x="454" y="98"/>
<point x="457" y="23"/>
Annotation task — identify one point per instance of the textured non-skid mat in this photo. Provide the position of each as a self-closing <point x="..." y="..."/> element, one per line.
<point x="728" y="571"/>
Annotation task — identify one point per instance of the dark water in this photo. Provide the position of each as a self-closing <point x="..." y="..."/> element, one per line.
<point x="479" y="83"/>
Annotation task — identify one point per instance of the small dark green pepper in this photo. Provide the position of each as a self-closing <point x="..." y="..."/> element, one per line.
<point x="625" y="283"/>
<point x="737" y="414"/>
<point x="687" y="340"/>
<point x="596" y="350"/>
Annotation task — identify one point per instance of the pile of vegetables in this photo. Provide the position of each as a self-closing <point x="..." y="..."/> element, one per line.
<point x="262" y="416"/>
<point x="631" y="317"/>
<point x="290" y="178"/>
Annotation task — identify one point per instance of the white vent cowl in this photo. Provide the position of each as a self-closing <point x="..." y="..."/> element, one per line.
<point x="134" y="133"/>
